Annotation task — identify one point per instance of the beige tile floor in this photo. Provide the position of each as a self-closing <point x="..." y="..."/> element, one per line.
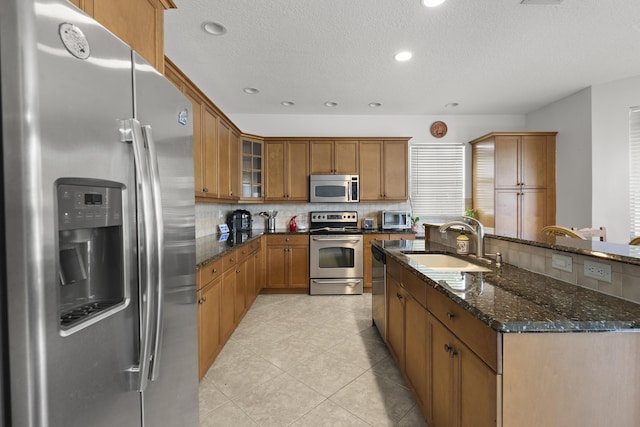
<point x="300" y="360"/>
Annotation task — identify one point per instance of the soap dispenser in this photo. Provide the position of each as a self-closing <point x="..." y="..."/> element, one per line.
<point x="462" y="244"/>
<point x="293" y="227"/>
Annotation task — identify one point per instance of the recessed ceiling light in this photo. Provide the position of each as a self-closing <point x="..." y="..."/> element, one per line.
<point x="288" y="103"/>
<point x="403" y="56"/>
<point x="214" y="28"/>
<point x="374" y="104"/>
<point x="451" y="105"/>
<point x="432" y="3"/>
<point x="330" y="104"/>
<point x="250" y="90"/>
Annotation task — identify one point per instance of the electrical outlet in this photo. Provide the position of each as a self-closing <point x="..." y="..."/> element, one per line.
<point x="562" y="262"/>
<point x="596" y="270"/>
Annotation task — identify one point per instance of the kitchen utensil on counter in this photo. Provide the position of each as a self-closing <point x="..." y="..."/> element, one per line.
<point x="293" y="227"/>
<point x="271" y="219"/>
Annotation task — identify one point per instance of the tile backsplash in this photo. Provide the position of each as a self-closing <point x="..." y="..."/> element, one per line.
<point x="209" y="215"/>
<point x="625" y="278"/>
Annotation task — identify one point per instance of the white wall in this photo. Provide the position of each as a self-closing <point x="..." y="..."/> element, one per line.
<point x="571" y="118"/>
<point x="610" y="152"/>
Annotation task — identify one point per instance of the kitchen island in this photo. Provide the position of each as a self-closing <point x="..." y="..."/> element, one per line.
<point x="509" y="347"/>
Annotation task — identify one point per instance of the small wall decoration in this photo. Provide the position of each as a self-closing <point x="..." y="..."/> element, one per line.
<point x="438" y="129"/>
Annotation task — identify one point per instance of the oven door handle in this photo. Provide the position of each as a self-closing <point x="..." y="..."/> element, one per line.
<point x="337" y="239"/>
<point x="340" y="281"/>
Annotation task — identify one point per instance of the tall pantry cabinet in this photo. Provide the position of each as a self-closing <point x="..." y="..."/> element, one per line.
<point x="514" y="181"/>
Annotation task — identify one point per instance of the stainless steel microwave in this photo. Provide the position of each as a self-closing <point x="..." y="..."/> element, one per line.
<point x="395" y="220"/>
<point x="334" y="188"/>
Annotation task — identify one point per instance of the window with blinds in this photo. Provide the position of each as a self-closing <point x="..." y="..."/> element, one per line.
<point x="437" y="180"/>
<point x="634" y="170"/>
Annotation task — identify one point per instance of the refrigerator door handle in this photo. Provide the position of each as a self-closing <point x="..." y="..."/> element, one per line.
<point x="147" y="250"/>
<point x="147" y="132"/>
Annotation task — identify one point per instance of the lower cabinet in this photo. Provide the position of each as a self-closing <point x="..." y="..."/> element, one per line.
<point x="407" y="336"/>
<point x="452" y="385"/>
<point x="416" y="345"/>
<point x="210" y="343"/>
<point x="395" y="319"/>
<point x="288" y="261"/>
<point x="464" y="389"/>
<point x="227" y="311"/>
<point x="226" y="288"/>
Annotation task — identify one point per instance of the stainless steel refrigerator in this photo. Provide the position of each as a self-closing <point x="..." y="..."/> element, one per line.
<point x="98" y="303"/>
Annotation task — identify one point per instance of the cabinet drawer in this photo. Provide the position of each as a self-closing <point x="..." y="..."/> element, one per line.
<point x="229" y="260"/>
<point x="243" y="252"/>
<point x="255" y="244"/>
<point x="415" y="286"/>
<point x="210" y="272"/>
<point x="480" y="338"/>
<point x="288" y="239"/>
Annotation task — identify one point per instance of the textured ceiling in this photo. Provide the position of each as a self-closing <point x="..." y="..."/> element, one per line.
<point x="490" y="56"/>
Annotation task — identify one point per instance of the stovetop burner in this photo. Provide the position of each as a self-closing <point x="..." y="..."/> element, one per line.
<point x="333" y="222"/>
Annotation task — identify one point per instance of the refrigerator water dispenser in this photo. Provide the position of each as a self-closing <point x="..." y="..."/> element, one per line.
<point x="90" y="250"/>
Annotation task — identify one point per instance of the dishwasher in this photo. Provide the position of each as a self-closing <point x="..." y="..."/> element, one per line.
<point x="378" y="290"/>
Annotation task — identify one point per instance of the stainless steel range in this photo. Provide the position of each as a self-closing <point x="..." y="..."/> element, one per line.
<point x="335" y="254"/>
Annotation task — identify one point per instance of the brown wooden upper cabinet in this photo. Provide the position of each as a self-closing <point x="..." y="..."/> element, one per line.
<point x="251" y="158"/>
<point x="514" y="181"/>
<point x="216" y="143"/>
<point x="383" y="170"/>
<point x="286" y="175"/>
<point x="139" y="23"/>
<point x="228" y="162"/>
<point x="337" y="157"/>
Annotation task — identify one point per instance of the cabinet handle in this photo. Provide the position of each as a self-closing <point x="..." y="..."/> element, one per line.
<point x="450" y="316"/>
<point x="205" y="189"/>
<point x="449" y="349"/>
<point x="399" y="296"/>
<point x="215" y="270"/>
<point x="202" y="300"/>
<point x="237" y="271"/>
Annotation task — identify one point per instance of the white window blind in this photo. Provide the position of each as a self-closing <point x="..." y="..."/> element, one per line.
<point x="634" y="168"/>
<point x="437" y="180"/>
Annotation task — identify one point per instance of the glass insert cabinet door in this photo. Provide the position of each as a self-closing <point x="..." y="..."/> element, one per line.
<point x="251" y="169"/>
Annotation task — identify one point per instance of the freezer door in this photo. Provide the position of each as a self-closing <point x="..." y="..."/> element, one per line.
<point x="61" y="124"/>
<point x="171" y="398"/>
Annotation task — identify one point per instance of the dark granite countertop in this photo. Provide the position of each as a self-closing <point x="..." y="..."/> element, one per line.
<point x="211" y="247"/>
<point x="513" y="300"/>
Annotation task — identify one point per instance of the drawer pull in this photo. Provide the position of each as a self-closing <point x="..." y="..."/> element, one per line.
<point x="399" y="296"/>
<point x="450" y="316"/>
<point x="202" y="300"/>
<point x="449" y="349"/>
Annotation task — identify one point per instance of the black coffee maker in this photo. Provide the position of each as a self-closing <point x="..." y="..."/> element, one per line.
<point x="239" y="220"/>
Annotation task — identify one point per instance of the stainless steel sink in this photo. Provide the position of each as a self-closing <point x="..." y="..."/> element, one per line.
<point x="440" y="262"/>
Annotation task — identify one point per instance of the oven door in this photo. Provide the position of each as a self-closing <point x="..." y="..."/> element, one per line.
<point x="335" y="256"/>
